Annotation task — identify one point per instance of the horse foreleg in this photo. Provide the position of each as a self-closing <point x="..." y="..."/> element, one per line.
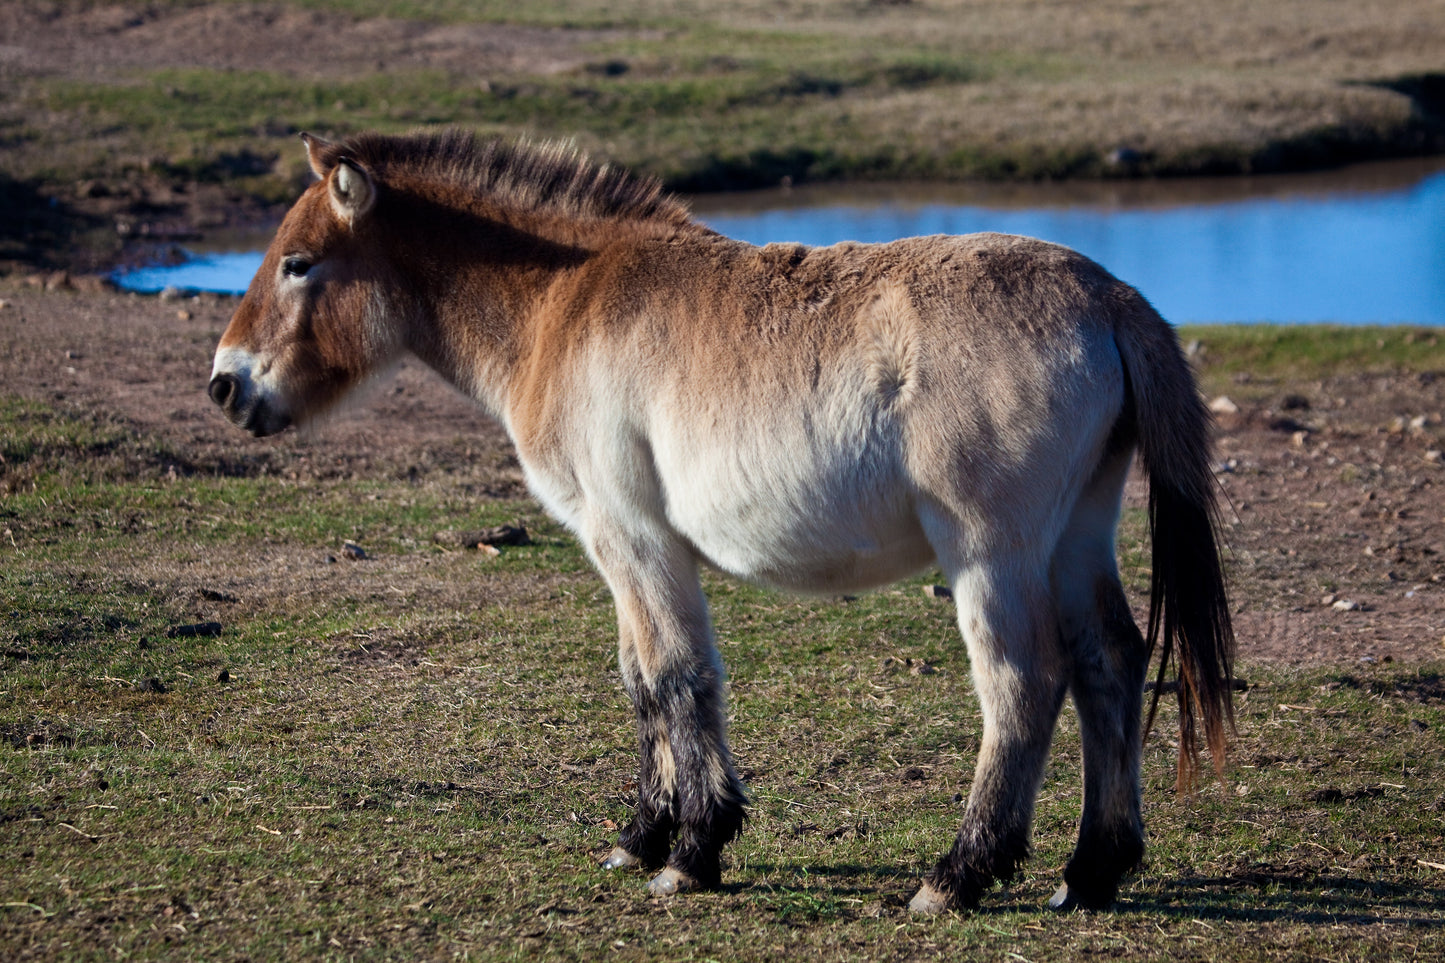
<point x="646" y="841"/>
<point x="690" y="800"/>
<point x="1019" y="670"/>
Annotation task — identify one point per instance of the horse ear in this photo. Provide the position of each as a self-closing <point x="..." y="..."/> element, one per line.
<point x="352" y="191"/>
<point x="320" y="153"/>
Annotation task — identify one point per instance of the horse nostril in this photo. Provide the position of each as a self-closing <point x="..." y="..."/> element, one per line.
<point x="223" y="389"/>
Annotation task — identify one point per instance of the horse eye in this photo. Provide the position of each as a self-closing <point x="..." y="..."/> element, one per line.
<point x="295" y="267"/>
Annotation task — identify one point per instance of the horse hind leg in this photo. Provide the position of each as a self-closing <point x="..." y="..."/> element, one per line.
<point x="1020" y="670"/>
<point x="1110" y="659"/>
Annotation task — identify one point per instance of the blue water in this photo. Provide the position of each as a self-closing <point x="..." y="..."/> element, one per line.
<point x="1336" y="255"/>
<point x="226" y="272"/>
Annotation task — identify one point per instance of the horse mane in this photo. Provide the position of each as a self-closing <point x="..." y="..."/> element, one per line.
<point x="543" y="177"/>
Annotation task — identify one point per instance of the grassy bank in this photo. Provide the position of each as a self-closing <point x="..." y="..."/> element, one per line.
<point x="707" y="97"/>
<point x="222" y="738"/>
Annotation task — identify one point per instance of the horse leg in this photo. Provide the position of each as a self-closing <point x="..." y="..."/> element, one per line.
<point x="646" y="841"/>
<point x="1020" y="669"/>
<point x="690" y="800"/>
<point x="1110" y="659"/>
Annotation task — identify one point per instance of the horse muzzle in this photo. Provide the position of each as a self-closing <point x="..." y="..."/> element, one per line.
<point x="245" y="406"/>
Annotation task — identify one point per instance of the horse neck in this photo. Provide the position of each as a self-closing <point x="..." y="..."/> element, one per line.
<point x="479" y="285"/>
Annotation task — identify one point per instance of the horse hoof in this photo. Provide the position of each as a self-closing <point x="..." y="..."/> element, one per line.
<point x="672" y="882"/>
<point x="928" y="901"/>
<point x="620" y="858"/>
<point x="1063" y="900"/>
<point x="1066" y="900"/>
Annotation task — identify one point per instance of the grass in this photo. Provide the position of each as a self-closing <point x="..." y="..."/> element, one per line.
<point x="1240" y="354"/>
<point x="422" y="754"/>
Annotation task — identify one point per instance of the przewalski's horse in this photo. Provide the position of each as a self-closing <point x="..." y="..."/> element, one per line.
<point x="820" y="419"/>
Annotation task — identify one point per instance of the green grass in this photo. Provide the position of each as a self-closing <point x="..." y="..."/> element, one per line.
<point x="699" y="121"/>
<point x="1235" y="354"/>
<point x="423" y="754"/>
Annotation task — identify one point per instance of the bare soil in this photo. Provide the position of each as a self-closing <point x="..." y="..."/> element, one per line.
<point x="1335" y="520"/>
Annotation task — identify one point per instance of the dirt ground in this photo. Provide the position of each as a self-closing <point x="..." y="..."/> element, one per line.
<point x="1335" y="521"/>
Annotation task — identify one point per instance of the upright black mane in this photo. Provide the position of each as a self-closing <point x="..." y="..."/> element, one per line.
<point x="545" y="177"/>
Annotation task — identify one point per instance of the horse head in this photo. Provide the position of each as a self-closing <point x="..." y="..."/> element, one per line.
<point x="315" y="321"/>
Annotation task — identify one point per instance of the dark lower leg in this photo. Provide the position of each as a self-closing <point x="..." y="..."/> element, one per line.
<point x="690" y="801"/>
<point x="648" y="837"/>
<point x="994" y="839"/>
<point x="711" y="807"/>
<point x="1108" y="690"/>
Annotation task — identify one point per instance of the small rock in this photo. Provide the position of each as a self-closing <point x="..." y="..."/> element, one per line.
<point x="1330" y="599"/>
<point x="352" y="550"/>
<point x="1345" y="605"/>
<point x="938" y="591"/>
<point x="1433" y="455"/>
<point x="183" y="315"/>
<point x="1223" y="406"/>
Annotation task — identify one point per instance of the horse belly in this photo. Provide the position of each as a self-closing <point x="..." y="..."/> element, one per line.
<point x="800" y="525"/>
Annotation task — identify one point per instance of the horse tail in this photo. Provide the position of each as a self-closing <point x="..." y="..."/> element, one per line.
<point x="1188" y="602"/>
